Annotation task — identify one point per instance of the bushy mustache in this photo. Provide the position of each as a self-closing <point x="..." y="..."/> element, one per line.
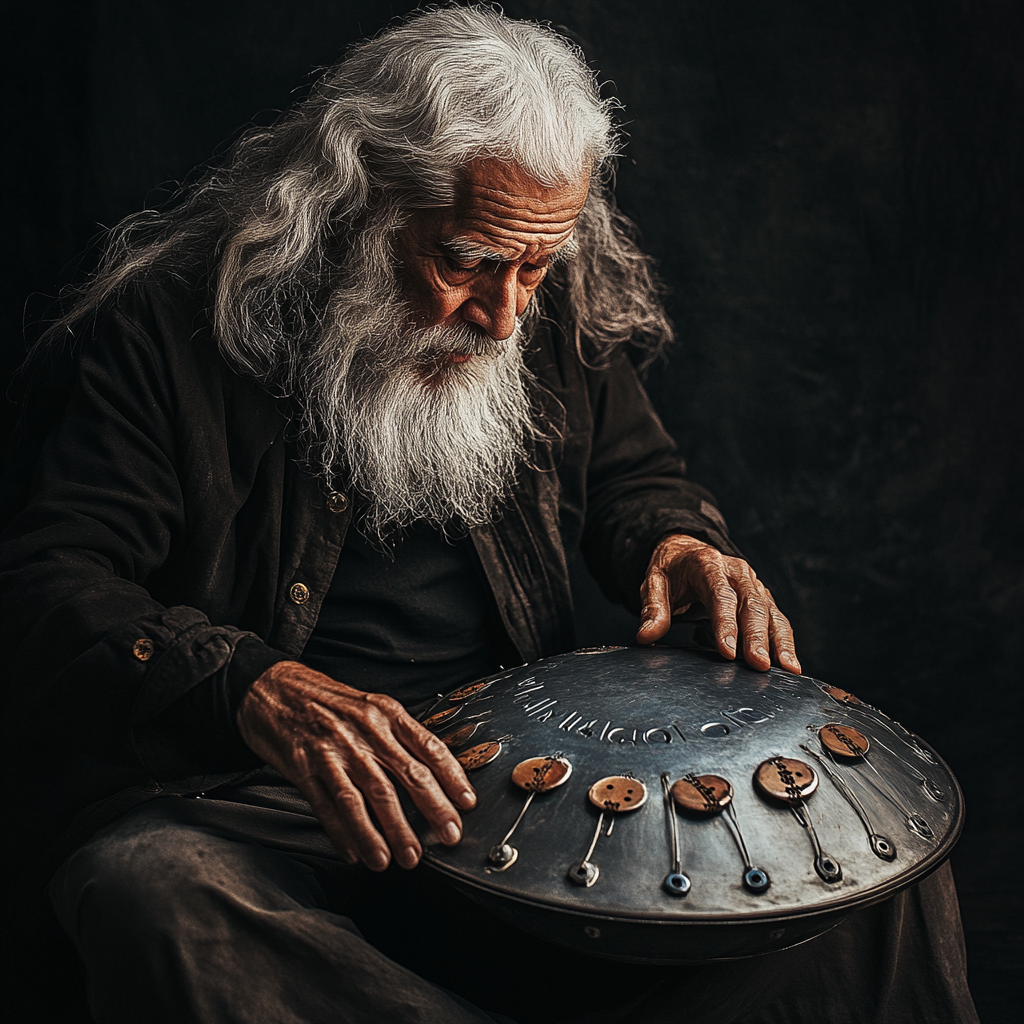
<point x="459" y="340"/>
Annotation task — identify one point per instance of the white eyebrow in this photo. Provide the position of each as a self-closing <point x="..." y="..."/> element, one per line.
<point x="567" y="251"/>
<point x="464" y="249"/>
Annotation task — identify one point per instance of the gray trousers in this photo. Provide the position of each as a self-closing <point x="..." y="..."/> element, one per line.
<point x="234" y="908"/>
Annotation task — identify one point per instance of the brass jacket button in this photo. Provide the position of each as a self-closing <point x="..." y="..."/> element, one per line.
<point x="336" y="502"/>
<point x="299" y="593"/>
<point x="143" y="649"/>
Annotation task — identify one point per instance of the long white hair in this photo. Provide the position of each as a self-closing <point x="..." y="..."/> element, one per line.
<point x="294" y="227"/>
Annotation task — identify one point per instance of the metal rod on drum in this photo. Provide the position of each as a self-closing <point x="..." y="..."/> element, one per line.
<point x="515" y="824"/>
<point x="675" y="882"/>
<point x="583" y="872"/>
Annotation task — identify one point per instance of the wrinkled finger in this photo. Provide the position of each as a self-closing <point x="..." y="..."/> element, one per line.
<point x="421" y="784"/>
<point x="719" y="597"/>
<point x="380" y="795"/>
<point x="323" y="807"/>
<point x="349" y="808"/>
<point x="430" y="753"/>
<point x="657" y="607"/>
<point x="783" y="645"/>
<point x="753" y="619"/>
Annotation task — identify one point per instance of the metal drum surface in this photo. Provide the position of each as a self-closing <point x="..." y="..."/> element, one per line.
<point x="663" y="805"/>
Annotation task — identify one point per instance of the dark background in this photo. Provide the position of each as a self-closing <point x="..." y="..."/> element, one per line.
<point x="833" y="191"/>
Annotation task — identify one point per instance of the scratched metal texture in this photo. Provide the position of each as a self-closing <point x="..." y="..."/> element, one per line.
<point x="648" y="711"/>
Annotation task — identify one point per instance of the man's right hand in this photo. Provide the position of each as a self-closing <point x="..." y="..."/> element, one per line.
<point x="334" y="743"/>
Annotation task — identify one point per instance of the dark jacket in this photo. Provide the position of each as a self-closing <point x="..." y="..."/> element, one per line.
<point x="173" y="539"/>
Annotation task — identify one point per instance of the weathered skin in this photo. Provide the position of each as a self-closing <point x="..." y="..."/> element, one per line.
<point x="476" y="262"/>
<point x="515" y="223"/>
<point x="684" y="571"/>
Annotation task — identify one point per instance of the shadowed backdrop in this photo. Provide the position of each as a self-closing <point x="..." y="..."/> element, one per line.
<point x="833" y="194"/>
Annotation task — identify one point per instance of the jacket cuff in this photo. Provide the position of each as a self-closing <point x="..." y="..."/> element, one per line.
<point x="199" y="732"/>
<point x="251" y="658"/>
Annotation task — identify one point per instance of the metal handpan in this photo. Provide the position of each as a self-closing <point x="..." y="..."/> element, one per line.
<point x="683" y="808"/>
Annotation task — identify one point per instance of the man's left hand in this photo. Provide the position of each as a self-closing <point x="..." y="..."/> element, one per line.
<point x="684" y="571"/>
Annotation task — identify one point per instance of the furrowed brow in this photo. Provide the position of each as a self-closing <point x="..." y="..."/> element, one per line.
<point x="567" y="251"/>
<point x="464" y="249"/>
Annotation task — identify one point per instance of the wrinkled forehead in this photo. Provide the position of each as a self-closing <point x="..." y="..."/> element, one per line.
<point x="501" y="208"/>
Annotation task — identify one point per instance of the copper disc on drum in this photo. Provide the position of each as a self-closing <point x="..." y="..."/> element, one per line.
<point x="618" y="793"/>
<point x="786" y="779"/>
<point x="467" y="691"/>
<point x="441" y="716"/>
<point x="704" y="794"/>
<point x="843" y="740"/>
<point x="540" y="774"/>
<point x="843" y="695"/>
<point x="478" y="756"/>
<point x="460" y="735"/>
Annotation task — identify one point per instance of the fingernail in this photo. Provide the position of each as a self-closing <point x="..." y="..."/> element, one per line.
<point x="467" y="798"/>
<point x="647" y="623"/>
<point x="730" y="644"/>
<point x="451" y="833"/>
<point x="761" y="652"/>
<point x="378" y="860"/>
<point x="410" y="857"/>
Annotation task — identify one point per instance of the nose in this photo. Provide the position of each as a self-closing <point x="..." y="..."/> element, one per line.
<point x="493" y="305"/>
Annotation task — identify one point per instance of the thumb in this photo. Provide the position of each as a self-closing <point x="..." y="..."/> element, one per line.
<point x="657" y="607"/>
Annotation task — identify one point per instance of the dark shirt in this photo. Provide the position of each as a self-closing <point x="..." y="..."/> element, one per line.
<point x="412" y="620"/>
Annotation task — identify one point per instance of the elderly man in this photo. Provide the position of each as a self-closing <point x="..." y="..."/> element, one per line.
<point x="341" y="412"/>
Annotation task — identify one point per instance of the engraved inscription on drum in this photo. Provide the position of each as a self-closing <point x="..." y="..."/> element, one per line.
<point x="843" y="740"/>
<point x="543" y="708"/>
<point x="540" y="706"/>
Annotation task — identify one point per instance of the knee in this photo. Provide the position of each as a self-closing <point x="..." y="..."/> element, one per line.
<point x="139" y="878"/>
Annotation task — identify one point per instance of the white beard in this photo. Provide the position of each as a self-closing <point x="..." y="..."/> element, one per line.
<point x="424" y="438"/>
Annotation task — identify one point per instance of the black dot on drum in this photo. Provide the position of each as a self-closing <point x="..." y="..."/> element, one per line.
<point x="609" y="786"/>
<point x="627" y="798"/>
